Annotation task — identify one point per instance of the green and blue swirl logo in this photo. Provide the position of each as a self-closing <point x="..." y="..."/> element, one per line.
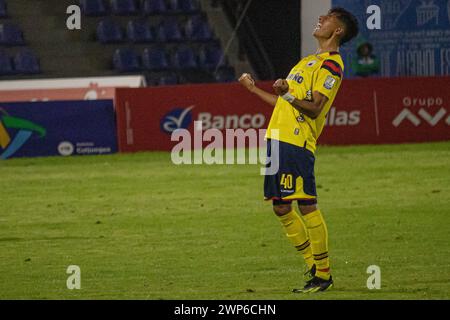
<point x="22" y="129"/>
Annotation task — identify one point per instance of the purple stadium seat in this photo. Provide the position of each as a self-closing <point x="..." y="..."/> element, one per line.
<point x="154" y="7"/>
<point x="94" y="7"/>
<point x="184" y="6"/>
<point x="124" y="7"/>
<point x="10" y="35"/>
<point x="109" y="31"/>
<point x="26" y="62"/>
<point x="225" y="75"/>
<point x="211" y="56"/>
<point x="126" y="60"/>
<point x="5" y="64"/>
<point x="184" y="58"/>
<point x="139" y="31"/>
<point x="168" y="79"/>
<point x="155" y="59"/>
<point x="3" y="9"/>
<point x="198" y="29"/>
<point x="169" y="30"/>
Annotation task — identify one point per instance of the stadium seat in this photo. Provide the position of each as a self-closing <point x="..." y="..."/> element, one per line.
<point x="126" y="60"/>
<point x="124" y="7"/>
<point x="3" y="9"/>
<point x="5" y="64"/>
<point x="184" y="6"/>
<point x="225" y="75"/>
<point x="198" y="29"/>
<point x="154" y="7"/>
<point x="169" y="30"/>
<point x="10" y="35"/>
<point x="168" y="79"/>
<point x="184" y="58"/>
<point x="109" y="31"/>
<point x="26" y="62"/>
<point x="155" y="59"/>
<point x="210" y="57"/>
<point x="139" y="31"/>
<point x="94" y="7"/>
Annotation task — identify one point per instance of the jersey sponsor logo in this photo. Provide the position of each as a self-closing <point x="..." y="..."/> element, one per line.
<point x="329" y="82"/>
<point x="311" y="63"/>
<point x="295" y="77"/>
<point x="178" y="118"/>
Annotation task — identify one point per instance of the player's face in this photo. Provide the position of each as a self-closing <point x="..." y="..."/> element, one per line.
<point x="326" y="26"/>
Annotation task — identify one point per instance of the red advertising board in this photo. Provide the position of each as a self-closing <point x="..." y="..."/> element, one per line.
<point x="365" y="111"/>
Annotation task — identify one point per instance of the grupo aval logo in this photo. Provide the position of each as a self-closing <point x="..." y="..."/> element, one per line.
<point x="15" y="132"/>
<point x="178" y="118"/>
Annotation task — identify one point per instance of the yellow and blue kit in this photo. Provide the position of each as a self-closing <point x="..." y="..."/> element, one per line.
<point x="297" y="133"/>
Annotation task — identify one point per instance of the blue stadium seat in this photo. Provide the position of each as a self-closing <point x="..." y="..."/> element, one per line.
<point x="210" y="57"/>
<point x="10" y="35"/>
<point x="5" y="64"/>
<point x="154" y="7"/>
<point x="184" y="58"/>
<point x="26" y="62"/>
<point x="3" y="9"/>
<point x="198" y="29"/>
<point x="124" y="7"/>
<point x="155" y="59"/>
<point x="94" y="7"/>
<point x="139" y="31"/>
<point x="169" y="30"/>
<point x="109" y="31"/>
<point x="184" y="6"/>
<point x="225" y="75"/>
<point x="168" y="79"/>
<point x="126" y="60"/>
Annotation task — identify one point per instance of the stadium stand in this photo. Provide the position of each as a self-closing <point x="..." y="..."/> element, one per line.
<point x="26" y="62"/>
<point x="11" y="34"/>
<point x="109" y="31"/>
<point x="139" y="31"/>
<point x="124" y="7"/>
<point x="151" y="7"/>
<point x="155" y="59"/>
<point x="3" y="9"/>
<point x="6" y="66"/>
<point x="126" y="60"/>
<point x="168" y="41"/>
<point x="94" y="8"/>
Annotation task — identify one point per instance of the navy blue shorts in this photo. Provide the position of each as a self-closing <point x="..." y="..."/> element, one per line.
<point x="294" y="179"/>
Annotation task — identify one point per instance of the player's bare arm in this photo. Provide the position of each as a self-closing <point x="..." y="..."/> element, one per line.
<point x="248" y="82"/>
<point x="310" y="108"/>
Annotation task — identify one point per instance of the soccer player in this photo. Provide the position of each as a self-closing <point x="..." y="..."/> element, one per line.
<point x="301" y="103"/>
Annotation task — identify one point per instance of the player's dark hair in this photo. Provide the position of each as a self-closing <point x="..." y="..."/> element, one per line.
<point x="350" y="22"/>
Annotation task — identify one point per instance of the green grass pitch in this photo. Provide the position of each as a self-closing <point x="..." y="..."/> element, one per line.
<point x="140" y="227"/>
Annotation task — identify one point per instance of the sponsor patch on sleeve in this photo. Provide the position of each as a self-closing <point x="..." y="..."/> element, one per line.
<point x="329" y="82"/>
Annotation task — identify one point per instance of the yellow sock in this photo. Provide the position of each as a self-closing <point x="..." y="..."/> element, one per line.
<point x="318" y="236"/>
<point x="298" y="235"/>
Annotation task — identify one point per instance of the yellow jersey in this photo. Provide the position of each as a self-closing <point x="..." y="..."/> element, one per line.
<point x="320" y="72"/>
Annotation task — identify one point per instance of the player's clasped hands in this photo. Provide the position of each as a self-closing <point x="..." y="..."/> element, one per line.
<point x="281" y="87"/>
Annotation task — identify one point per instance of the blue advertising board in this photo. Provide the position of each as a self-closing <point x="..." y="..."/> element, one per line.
<point x="414" y="39"/>
<point x="57" y="128"/>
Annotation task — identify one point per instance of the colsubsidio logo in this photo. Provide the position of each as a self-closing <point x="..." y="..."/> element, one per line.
<point x="178" y="118"/>
<point x="25" y="130"/>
